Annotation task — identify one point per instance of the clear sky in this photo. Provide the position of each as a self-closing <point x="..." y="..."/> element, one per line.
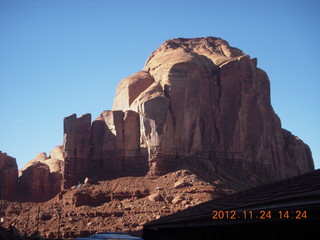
<point x="59" y="57"/>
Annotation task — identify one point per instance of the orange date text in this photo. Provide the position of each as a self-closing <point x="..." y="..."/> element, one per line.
<point x="259" y="215"/>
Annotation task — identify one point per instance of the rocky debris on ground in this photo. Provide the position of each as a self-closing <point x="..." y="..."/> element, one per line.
<point x="123" y="204"/>
<point x="155" y="197"/>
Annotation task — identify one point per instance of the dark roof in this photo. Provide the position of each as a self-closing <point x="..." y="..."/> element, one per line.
<point x="302" y="190"/>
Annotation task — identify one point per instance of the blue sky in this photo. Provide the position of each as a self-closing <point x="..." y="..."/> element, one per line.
<point x="64" y="57"/>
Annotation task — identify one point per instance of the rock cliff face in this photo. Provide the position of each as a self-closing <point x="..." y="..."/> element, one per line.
<point x="199" y="104"/>
<point x="40" y="179"/>
<point x="111" y="144"/>
<point x="208" y="101"/>
<point x="8" y="176"/>
<point x="76" y="148"/>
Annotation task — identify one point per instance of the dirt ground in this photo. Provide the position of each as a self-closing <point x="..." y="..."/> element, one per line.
<point x="124" y="204"/>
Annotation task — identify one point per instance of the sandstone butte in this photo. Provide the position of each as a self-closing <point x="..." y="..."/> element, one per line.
<point x="198" y="104"/>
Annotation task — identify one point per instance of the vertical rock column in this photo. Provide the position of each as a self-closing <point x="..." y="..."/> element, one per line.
<point x="107" y="144"/>
<point x="131" y="140"/>
<point x="133" y="163"/>
<point x="76" y="148"/>
<point x="153" y="107"/>
<point x="8" y="176"/>
<point x="116" y="145"/>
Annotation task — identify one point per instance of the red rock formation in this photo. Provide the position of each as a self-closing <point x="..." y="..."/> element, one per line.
<point x="41" y="178"/>
<point x="198" y="103"/>
<point x="8" y="176"/>
<point x="107" y="141"/>
<point x="107" y="149"/>
<point x="116" y="145"/>
<point x="130" y="88"/>
<point x="76" y="148"/>
<point x="210" y="101"/>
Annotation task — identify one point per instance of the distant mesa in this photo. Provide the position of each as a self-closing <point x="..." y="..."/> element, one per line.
<point x="197" y="103"/>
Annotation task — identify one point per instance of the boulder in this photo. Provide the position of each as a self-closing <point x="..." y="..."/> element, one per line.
<point x="155" y="197"/>
<point x="181" y="183"/>
<point x="178" y="199"/>
<point x="86" y="197"/>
